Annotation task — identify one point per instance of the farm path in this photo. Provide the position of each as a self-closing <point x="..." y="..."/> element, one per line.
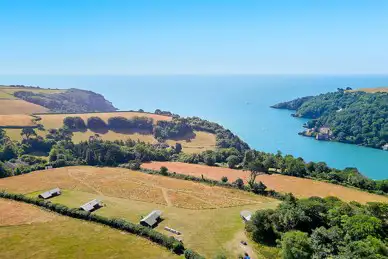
<point x="166" y="197"/>
<point x="82" y="181"/>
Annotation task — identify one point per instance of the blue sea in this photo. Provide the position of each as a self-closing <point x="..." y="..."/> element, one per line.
<point x="240" y="103"/>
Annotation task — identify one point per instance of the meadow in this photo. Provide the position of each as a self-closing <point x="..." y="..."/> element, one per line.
<point x="30" y="231"/>
<point x="300" y="187"/>
<point x="372" y="90"/>
<point x="16" y="120"/>
<point x="207" y="216"/>
<point x="17" y="106"/>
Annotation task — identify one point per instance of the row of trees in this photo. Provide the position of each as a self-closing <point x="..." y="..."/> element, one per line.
<point x="117" y="124"/>
<point x="323" y="228"/>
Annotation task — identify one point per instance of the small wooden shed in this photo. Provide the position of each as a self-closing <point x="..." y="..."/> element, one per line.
<point x="151" y="219"/>
<point x="92" y="205"/>
<point x="50" y="194"/>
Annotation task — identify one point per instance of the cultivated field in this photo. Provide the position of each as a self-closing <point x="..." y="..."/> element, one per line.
<point x="208" y="217"/>
<point x="16" y="120"/>
<point x="298" y="186"/>
<point x="19" y="107"/>
<point x="34" y="233"/>
<point x="12" y="90"/>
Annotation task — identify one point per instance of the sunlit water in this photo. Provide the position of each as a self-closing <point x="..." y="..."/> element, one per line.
<point x="240" y="103"/>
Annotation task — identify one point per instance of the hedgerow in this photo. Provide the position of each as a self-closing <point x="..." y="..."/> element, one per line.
<point x="169" y="242"/>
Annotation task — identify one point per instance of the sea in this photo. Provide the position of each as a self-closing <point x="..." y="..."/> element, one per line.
<point x="240" y="103"/>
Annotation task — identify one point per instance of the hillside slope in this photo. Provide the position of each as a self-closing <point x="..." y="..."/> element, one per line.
<point x="207" y="216"/>
<point x="302" y="188"/>
<point x="34" y="233"/>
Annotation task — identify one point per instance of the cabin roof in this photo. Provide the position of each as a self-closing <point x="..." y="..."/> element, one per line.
<point x="152" y="218"/>
<point x="90" y="205"/>
<point x="50" y="193"/>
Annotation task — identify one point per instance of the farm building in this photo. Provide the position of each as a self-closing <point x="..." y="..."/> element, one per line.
<point x="92" y="205"/>
<point x="246" y="215"/>
<point x="151" y="219"/>
<point x="50" y="194"/>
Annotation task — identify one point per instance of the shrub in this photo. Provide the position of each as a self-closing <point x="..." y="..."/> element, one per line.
<point x="239" y="183"/>
<point x="96" y="123"/>
<point x="74" y="123"/>
<point x="224" y="179"/>
<point x="164" y="171"/>
<point x="190" y="254"/>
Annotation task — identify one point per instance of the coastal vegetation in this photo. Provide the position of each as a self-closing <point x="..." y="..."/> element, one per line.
<point x="323" y="228"/>
<point x="354" y="117"/>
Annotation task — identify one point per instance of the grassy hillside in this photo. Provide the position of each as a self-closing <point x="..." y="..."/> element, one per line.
<point x="14" y="106"/>
<point x="300" y="187"/>
<point x="372" y="90"/>
<point x="196" y="143"/>
<point x="30" y="231"/>
<point x="16" y="120"/>
<point x="208" y="217"/>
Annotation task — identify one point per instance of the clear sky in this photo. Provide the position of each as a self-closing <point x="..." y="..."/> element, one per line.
<point x="193" y="37"/>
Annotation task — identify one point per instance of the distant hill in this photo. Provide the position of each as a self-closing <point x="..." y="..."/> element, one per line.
<point x="355" y="117"/>
<point x="72" y="100"/>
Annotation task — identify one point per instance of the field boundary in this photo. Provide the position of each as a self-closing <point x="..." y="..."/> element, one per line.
<point x="170" y="243"/>
<point x="93" y="112"/>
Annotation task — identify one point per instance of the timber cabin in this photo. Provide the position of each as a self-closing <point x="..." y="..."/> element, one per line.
<point x="92" y="205"/>
<point x="151" y="219"/>
<point x="50" y="194"/>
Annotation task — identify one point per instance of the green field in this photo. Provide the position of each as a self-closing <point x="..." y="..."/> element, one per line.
<point x="62" y="237"/>
<point x="208" y="217"/>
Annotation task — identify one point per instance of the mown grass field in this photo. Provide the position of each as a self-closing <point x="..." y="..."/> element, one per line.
<point x="12" y="90"/>
<point x="16" y="120"/>
<point x="8" y="107"/>
<point x="298" y="186"/>
<point x="5" y="95"/>
<point x="372" y="90"/>
<point x="208" y="217"/>
<point x="29" y="232"/>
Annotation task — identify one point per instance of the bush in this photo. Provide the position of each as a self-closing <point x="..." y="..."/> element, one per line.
<point x="190" y="254"/>
<point x="164" y="171"/>
<point x="96" y="123"/>
<point x="224" y="179"/>
<point x="74" y="123"/>
<point x="239" y="183"/>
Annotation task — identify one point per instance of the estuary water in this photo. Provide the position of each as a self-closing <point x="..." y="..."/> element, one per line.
<point x="240" y="103"/>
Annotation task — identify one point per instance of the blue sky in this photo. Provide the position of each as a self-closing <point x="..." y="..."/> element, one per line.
<point x="193" y="37"/>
